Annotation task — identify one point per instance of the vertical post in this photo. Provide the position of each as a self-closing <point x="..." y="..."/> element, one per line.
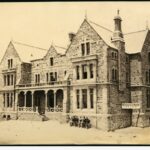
<point x="32" y="95"/>
<point x="65" y="100"/>
<point x="88" y="71"/>
<point x="54" y="100"/>
<point x="16" y="101"/>
<point x="25" y="99"/>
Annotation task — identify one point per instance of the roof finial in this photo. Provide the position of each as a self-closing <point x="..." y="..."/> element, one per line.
<point x="147" y="27"/>
<point x="85" y="14"/>
<point x="118" y="11"/>
<point x="11" y="39"/>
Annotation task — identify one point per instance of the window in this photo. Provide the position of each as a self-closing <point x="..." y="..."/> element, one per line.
<point x="51" y="76"/>
<point x="37" y="78"/>
<point x="47" y="77"/>
<point x="77" y="72"/>
<point x="8" y="80"/>
<point x="112" y="54"/>
<point x="91" y="98"/>
<point x="78" y="98"/>
<point x="5" y="77"/>
<point x="84" y="71"/>
<point x="12" y="79"/>
<point x="114" y="74"/>
<point x="148" y="98"/>
<point x="51" y="61"/>
<point x="4" y="99"/>
<point x="83" y="49"/>
<point x="55" y="76"/>
<point x="84" y="98"/>
<point x="11" y="100"/>
<point x="149" y="57"/>
<point x="147" y="79"/>
<point x="10" y="63"/>
<point x="7" y="99"/>
<point x="91" y="71"/>
<point x="87" y="48"/>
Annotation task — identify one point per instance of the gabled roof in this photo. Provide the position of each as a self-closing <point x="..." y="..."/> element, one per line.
<point x="134" y="41"/>
<point x="28" y="53"/>
<point x="104" y="33"/>
<point x="60" y="50"/>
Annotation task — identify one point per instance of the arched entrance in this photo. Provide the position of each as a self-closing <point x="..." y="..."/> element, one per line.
<point x="39" y="101"/>
<point x="21" y="99"/>
<point x="50" y="99"/>
<point x="29" y="99"/>
<point x="59" y="98"/>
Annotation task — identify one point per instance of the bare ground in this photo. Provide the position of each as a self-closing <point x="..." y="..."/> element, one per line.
<point x="52" y="132"/>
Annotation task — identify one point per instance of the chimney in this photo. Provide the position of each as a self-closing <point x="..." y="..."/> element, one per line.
<point x="71" y="36"/>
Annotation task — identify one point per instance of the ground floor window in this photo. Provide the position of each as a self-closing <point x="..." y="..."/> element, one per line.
<point x="78" y="98"/>
<point x="84" y="98"/>
<point x="91" y="98"/>
<point x="8" y="100"/>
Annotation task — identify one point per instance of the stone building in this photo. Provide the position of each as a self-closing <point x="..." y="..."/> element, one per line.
<point x="103" y="75"/>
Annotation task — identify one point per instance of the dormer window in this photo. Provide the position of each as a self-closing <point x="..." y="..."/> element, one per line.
<point x="51" y="61"/>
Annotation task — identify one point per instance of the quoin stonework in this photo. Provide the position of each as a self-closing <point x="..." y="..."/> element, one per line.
<point x="102" y="74"/>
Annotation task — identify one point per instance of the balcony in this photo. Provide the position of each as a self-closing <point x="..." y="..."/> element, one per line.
<point x="52" y="83"/>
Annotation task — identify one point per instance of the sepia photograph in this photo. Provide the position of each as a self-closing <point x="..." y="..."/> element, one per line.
<point x="75" y="73"/>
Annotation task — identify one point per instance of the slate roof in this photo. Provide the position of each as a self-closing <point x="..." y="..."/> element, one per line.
<point x="104" y="33"/>
<point x="28" y="53"/>
<point x="134" y="41"/>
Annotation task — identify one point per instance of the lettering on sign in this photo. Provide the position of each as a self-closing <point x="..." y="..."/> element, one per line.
<point x="130" y="106"/>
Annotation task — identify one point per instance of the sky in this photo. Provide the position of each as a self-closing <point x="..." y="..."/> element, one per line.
<point x="43" y="23"/>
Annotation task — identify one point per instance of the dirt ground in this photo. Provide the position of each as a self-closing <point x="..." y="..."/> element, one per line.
<point x="52" y="132"/>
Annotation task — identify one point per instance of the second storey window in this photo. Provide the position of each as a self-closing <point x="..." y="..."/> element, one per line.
<point x="84" y="71"/>
<point x="37" y="78"/>
<point x="77" y="72"/>
<point x="83" y="49"/>
<point x="88" y="48"/>
<point x="47" y="77"/>
<point x="91" y="71"/>
<point x="51" y="61"/>
<point x="78" y="98"/>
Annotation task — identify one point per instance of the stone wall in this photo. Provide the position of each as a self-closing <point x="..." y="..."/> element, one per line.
<point x="25" y="73"/>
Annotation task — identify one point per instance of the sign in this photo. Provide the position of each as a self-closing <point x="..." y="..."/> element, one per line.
<point x="130" y="106"/>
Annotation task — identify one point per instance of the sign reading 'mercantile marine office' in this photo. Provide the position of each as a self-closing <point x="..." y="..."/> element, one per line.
<point x="130" y="106"/>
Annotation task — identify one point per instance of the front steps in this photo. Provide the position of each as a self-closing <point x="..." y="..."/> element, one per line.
<point x="33" y="116"/>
